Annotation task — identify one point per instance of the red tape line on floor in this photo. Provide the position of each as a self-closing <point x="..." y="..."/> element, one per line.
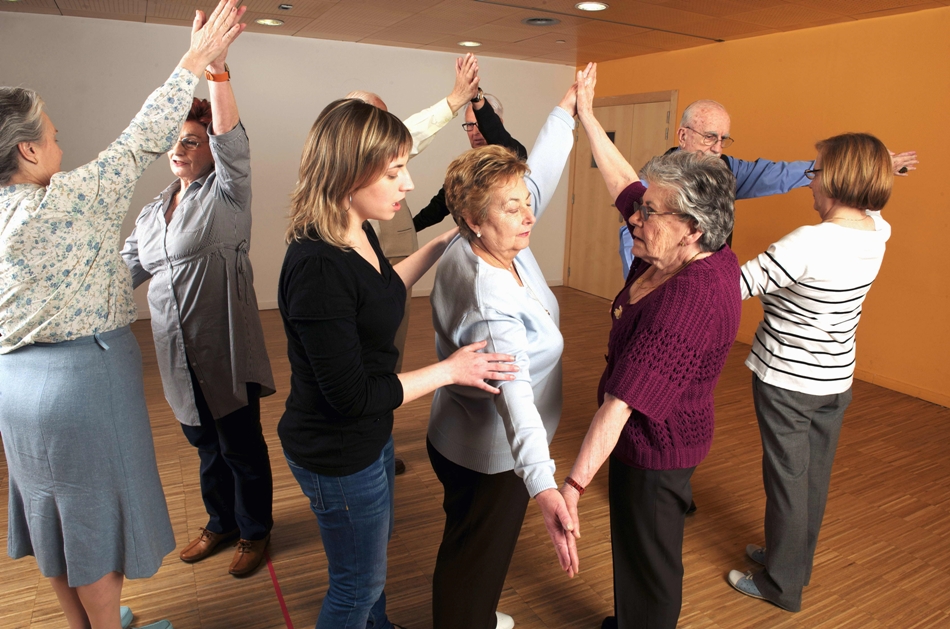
<point x="280" y="595"/>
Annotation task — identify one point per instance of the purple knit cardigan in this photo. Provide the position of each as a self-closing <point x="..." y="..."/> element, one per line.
<point x="665" y="355"/>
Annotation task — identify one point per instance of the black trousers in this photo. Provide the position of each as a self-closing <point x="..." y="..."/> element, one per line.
<point x="647" y="514"/>
<point x="483" y="518"/>
<point x="236" y="482"/>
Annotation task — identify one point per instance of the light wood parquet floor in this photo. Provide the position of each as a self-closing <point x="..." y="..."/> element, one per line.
<point x="883" y="558"/>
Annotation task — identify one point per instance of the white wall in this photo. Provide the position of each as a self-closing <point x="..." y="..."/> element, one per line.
<point x="95" y="74"/>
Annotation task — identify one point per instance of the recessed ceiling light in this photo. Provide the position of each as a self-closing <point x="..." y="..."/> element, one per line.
<point x="591" y="6"/>
<point x="266" y="21"/>
<point x="470" y="44"/>
<point x="285" y="7"/>
<point x="540" y="21"/>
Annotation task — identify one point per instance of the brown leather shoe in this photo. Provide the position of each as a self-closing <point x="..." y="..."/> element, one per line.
<point x="248" y="556"/>
<point x="205" y="545"/>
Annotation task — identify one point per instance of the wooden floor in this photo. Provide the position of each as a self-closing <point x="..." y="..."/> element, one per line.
<point x="883" y="558"/>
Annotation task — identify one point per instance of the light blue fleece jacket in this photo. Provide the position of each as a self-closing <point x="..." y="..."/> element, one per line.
<point x="474" y="301"/>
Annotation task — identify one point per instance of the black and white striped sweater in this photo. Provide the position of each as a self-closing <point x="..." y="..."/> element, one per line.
<point x="812" y="284"/>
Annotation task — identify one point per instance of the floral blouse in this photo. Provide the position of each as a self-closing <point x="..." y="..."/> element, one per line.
<point x="61" y="275"/>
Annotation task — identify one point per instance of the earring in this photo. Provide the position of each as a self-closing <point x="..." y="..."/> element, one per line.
<point x="478" y="234"/>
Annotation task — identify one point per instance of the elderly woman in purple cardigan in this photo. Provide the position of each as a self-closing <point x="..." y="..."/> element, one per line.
<point x="673" y="324"/>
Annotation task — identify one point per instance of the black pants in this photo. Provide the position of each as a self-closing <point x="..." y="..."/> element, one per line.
<point x="236" y="482"/>
<point x="647" y="514"/>
<point x="483" y="518"/>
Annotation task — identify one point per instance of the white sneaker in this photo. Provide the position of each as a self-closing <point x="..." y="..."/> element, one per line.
<point x="504" y="621"/>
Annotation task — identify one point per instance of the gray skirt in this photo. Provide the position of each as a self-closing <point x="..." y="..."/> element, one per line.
<point x="85" y="495"/>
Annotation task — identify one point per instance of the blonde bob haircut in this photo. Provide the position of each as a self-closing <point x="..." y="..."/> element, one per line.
<point x="473" y="178"/>
<point x="350" y="146"/>
<point x="856" y="170"/>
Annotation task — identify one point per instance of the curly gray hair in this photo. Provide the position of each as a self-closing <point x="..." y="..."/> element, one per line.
<point x="21" y="120"/>
<point x="700" y="186"/>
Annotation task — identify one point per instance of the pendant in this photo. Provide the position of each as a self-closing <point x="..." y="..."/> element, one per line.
<point x="618" y="311"/>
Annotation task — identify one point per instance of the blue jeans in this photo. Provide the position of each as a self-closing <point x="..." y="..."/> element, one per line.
<point x="355" y="514"/>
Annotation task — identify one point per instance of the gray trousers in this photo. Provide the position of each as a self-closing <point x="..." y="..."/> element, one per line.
<point x="799" y="437"/>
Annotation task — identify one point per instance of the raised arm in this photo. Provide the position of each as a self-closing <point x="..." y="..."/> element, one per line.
<point x="108" y="181"/>
<point x="493" y="129"/>
<point x="229" y="142"/>
<point x="550" y="152"/>
<point x="424" y="125"/>
<point x="617" y="172"/>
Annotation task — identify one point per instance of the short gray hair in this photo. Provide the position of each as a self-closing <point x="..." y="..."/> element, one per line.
<point x="21" y="120"/>
<point x="698" y="105"/>
<point x="702" y="187"/>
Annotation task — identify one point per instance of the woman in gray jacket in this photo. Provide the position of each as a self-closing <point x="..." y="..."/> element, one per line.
<point x="193" y="242"/>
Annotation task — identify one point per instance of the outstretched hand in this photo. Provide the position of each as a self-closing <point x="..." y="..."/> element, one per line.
<point x="466" y="82"/>
<point x="211" y="37"/>
<point x="560" y="525"/>
<point x="471" y="368"/>
<point x="903" y="162"/>
<point x="569" y="102"/>
<point x="586" y="81"/>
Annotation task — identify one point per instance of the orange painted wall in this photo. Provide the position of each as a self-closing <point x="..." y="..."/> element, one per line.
<point x="889" y="76"/>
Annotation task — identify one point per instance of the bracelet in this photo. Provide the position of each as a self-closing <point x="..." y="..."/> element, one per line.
<point x="573" y="483"/>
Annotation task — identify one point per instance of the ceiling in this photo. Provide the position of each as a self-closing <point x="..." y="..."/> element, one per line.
<point x="626" y="29"/>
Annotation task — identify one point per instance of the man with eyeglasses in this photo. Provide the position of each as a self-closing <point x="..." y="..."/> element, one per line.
<point x="484" y="125"/>
<point x="704" y="128"/>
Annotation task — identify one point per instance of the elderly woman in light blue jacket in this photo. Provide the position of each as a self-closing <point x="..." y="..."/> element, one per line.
<point x="491" y="452"/>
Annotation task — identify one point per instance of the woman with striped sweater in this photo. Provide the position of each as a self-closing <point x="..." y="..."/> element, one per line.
<point x="812" y="284"/>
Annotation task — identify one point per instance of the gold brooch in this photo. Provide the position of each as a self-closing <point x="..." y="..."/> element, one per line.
<point x="618" y="311"/>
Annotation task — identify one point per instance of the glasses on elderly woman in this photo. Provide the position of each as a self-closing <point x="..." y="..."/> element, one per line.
<point x="646" y="213"/>
<point x="811" y="173"/>
<point x="190" y="144"/>
<point x="468" y="126"/>
<point x="710" y="139"/>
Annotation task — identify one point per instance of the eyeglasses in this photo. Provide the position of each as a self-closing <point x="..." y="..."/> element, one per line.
<point x="468" y="126"/>
<point x="811" y="173"/>
<point x="710" y="139"/>
<point x="190" y="144"/>
<point x="646" y="213"/>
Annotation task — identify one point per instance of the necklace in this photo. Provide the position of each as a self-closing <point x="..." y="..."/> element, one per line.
<point x="510" y="267"/>
<point x="618" y="311"/>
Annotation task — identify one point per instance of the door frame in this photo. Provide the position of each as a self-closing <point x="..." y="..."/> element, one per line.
<point x="670" y="96"/>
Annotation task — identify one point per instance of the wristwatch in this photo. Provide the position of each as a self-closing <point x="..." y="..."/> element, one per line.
<point x="219" y="78"/>
<point x="479" y="96"/>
